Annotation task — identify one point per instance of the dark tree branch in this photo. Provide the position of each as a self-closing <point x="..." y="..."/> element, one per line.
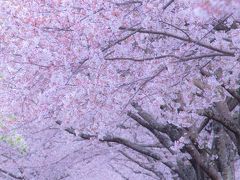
<point x="229" y="124"/>
<point x="203" y="125"/>
<point x="140" y="60"/>
<point x="119" y="41"/>
<point x="223" y="160"/>
<point x="168" y="4"/>
<point x="143" y="165"/>
<point x="129" y="3"/>
<point x="232" y="103"/>
<point x="140" y="149"/>
<point x="202" y="162"/>
<point x="77" y="70"/>
<point x="229" y="53"/>
<point x="180" y="59"/>
<point x="72" y="131"/>
<point x="161" y="138"/>
<point x="233" y="92"/>
<point x="171" y="130"/>
<point x="176" y="28"/>
<point x="11" y="174"/>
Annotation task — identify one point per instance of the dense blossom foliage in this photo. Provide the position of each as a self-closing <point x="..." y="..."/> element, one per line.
<point x="83" y="62"/>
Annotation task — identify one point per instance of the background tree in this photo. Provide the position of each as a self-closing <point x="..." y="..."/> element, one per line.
<point x="77" y="66"/>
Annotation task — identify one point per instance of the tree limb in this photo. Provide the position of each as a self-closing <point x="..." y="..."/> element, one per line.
<point x="210" y="170"/>
<point x="140" y="149"/>
<point x="189" y="40"/>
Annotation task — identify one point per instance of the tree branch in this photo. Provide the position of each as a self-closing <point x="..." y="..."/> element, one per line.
<point x="144" y="166"/>
<point x="161" y="138"/>
<point x="210" y="170"/>
<point x="168" y="4"/>
<point x="11" y="174"/>
<point x="189" y="40"/>
<point x="140" y="149"/>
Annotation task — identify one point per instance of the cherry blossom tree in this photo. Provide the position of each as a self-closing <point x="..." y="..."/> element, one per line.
<point x="195" y="91"/>
<point x="159" y="78"/>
